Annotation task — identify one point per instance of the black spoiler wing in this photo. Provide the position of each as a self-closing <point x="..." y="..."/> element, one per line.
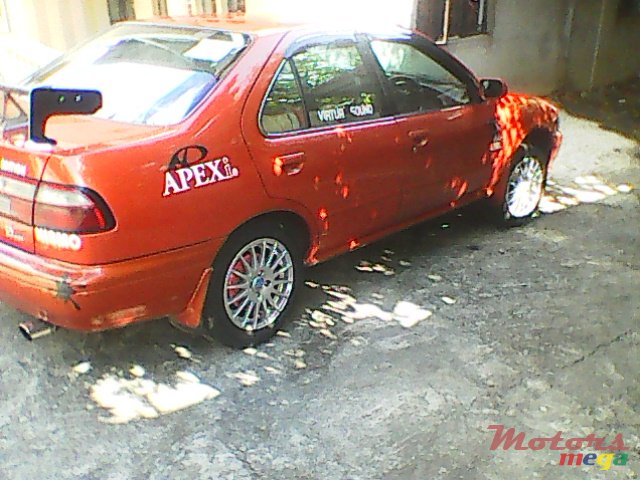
<point x="43" y="103"/>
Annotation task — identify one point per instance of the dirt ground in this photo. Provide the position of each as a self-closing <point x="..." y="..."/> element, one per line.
<point x="422" y="341"/>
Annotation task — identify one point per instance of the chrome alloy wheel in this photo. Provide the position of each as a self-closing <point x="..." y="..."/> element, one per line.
<point x="525" y="187"/>
<point x="258" y="284"/>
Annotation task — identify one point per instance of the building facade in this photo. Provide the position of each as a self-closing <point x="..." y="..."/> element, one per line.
<point x="536" y="45"/>
<point x="539" y="45"/>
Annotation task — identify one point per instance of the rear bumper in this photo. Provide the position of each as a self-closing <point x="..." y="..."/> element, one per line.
<point x="99" y="297"/>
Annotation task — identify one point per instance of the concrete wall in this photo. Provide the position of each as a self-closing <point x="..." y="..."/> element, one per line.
<point x="524" y="45"/>
<point x="542" y="45"/>
<point x="619" y="56"/>
<point x="604" y="47"/>
<point x="536" y="45"/>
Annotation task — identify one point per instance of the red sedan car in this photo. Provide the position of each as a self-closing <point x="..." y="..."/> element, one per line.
<point x="191" y="168"/>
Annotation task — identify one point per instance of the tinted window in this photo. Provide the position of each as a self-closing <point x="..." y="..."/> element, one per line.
<point x="337" y="86"/>
<point x="419" y="82"/>
<point x="283" y="109"/>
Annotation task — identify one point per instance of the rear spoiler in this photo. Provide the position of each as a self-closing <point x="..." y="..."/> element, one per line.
<point x="44" y="103"/>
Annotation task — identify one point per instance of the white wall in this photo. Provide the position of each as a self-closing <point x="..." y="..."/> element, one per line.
<point x="143" y="9"/>
<point x="41" y="29"/>
<point x="59" y="24"/>
<point x="179" y="8"/>
<point x="338" y="12"/>
<point x="19" y="57"/>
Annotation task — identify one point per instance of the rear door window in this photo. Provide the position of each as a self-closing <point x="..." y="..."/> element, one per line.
<point x="337" y="86"/>
<point x="283" y="109"/>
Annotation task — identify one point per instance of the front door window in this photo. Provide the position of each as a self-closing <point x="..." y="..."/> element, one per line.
<point x="420" y="84"/>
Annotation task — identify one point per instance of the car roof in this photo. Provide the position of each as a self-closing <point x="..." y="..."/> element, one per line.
<point x="260" y="26"/>
<point x="246" y="24"/>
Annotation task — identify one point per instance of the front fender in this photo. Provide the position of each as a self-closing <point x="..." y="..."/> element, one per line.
<point x="517" y="116"/>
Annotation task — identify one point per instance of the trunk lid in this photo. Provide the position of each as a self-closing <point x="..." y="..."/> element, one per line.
<point x="23" y="163"/>
<point x="76" y="134"/>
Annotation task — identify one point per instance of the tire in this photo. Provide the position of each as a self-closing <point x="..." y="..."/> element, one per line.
<point x="251" y="312"/>
<point x="519" y="193"/>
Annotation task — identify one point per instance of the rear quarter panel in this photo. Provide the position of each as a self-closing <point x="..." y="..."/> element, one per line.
<point x="131" y="177"/>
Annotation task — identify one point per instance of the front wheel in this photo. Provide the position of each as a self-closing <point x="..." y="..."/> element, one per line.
<point x="522" y="192"/>
<point x="255" y="278"/>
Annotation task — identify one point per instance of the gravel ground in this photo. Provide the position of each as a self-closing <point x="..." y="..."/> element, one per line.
<point x="535" y="328"/>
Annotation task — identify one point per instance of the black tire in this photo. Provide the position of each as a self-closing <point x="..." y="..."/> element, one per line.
<point x="216" y="322"/>
<point x="502" y="211"/>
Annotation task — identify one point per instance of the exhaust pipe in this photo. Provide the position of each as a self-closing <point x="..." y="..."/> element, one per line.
<point x="34" y="329"/>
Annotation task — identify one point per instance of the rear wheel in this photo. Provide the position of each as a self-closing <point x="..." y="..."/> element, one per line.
<point x="521" y="193"/>
<point x="255" y="278"/>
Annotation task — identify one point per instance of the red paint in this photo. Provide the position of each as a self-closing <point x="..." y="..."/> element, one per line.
<point x="156" y="259"/>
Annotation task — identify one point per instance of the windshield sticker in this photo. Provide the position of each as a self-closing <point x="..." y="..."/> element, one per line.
<point x="364" y="110"/>
<point x="332" y="114"/>
<point x="13" y="167"/>
<point x="189" y="175"/>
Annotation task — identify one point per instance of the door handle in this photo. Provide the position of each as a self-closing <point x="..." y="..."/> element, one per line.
<point x="292" y="163"/>
<point x="420" y="139"/>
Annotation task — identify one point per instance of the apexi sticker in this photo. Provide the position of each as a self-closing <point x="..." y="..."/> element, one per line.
<point x="59" y="240"/>
<point x="184" y="173"/>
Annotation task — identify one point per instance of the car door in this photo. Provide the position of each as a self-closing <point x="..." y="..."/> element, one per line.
<point x="324" y="138"/>
<point x="445" y="128"/>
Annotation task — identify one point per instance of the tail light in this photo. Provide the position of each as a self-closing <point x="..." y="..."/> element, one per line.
<point x="71" y="209"/>
<point x="16" y="198"/>
<point x="54" y="207"/>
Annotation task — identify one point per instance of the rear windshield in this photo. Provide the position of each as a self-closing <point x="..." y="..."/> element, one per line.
<point x="148" y="74"/>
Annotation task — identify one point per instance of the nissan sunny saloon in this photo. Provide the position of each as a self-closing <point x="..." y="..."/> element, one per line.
<point x="191" y="168"/>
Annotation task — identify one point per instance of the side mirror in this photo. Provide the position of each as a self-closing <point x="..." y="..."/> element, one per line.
<point x="494" y="88"/>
